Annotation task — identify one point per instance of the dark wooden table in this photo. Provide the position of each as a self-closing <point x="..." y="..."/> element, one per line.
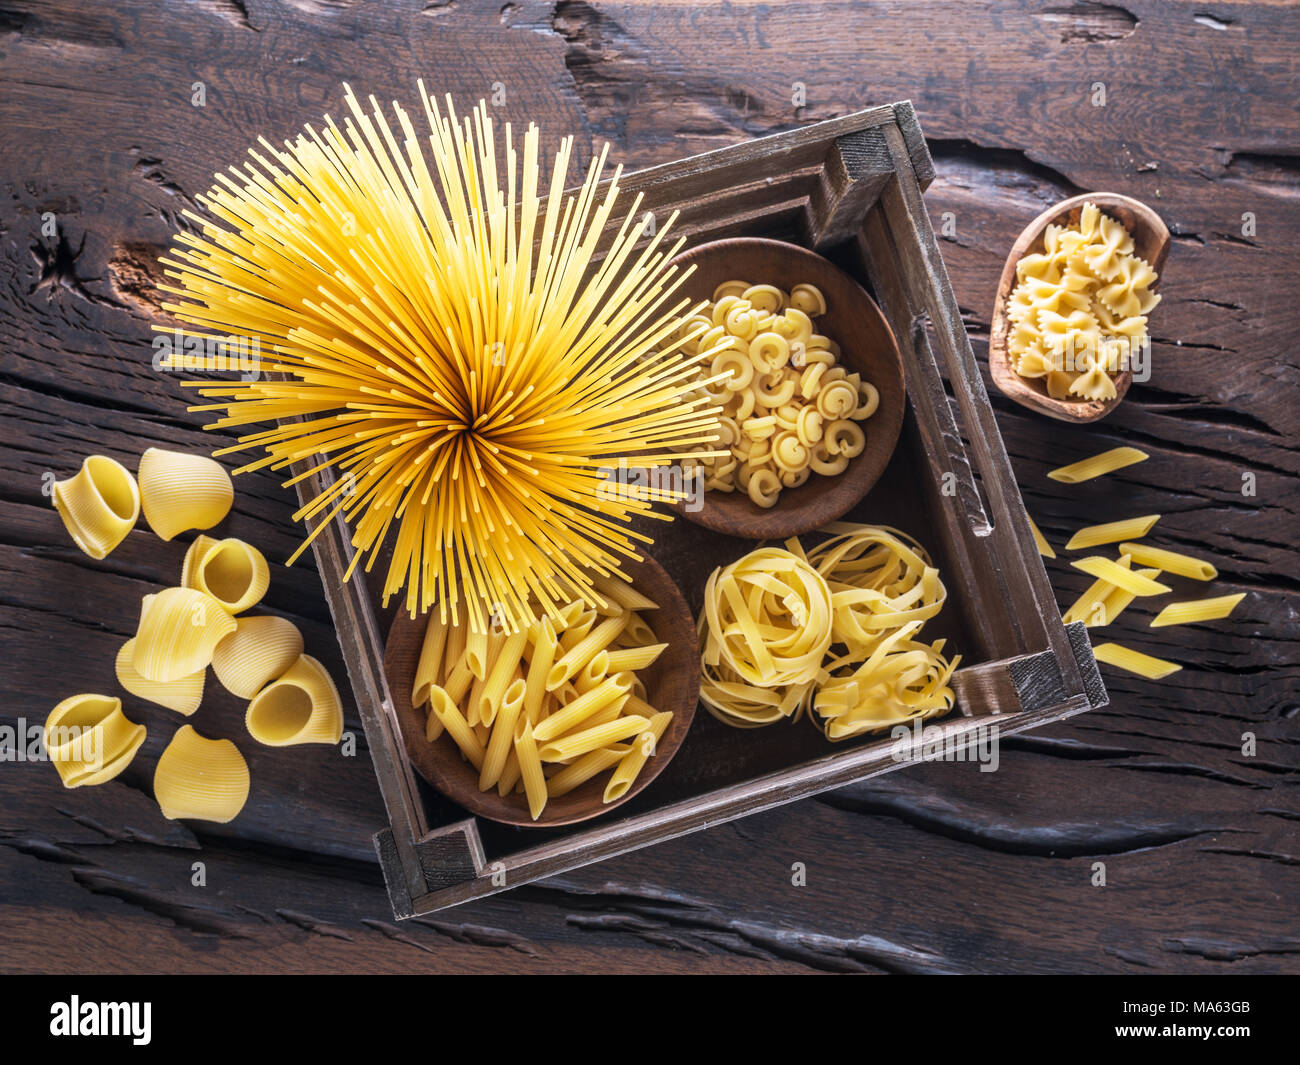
<point x="1190" y="106"/>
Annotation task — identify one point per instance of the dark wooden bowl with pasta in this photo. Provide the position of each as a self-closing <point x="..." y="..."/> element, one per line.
<point x="866" y="348"/>
<point x="671" y="684"/>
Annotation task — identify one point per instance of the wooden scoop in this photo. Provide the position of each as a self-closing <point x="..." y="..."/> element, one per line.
<point x="1150" y="242"/>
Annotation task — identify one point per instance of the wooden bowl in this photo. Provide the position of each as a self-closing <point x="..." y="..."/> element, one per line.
<point x="867" y="346"/>
<point x="672" y="683"/>
<point x="1150" y="242"/>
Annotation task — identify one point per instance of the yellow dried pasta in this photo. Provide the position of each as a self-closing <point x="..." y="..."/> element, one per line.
<point x="300" y="706"/>
<point x="90" y="740"/>
<point x="787" y="409"/>
<point x="179" y="630"/>
<point x="231" y="571"/>
<point x="255" y="653"/>
<point x="180" y="491"/>
<point x="1189" y="613"/>
<point x="1132" y="661"/>
<point x="99" y="505"/>
<point x="1097" y="465"/>
<point x="183" y="695"/>
<point x="1112" y="532"/>
<point x="200" y="779"/>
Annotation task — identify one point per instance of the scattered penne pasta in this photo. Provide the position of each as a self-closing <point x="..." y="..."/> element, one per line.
<point x="1098" y="465"/>
<point x="1188" y="613"/>
<point x="1115" y="573"/>
<point x="1112" y="532"/>
<point x="1170" y="561"/>
<point x="1044" y="548"/>
<point x="1134" y="661"/>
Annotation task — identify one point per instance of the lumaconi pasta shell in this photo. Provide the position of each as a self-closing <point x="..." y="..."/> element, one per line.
<point x="200" y="779"/>
<point x="183" y="695"/>
<point x="99" y="505"/>
<point x="179" y="491"/>
<point x="90" y="740"/>
<point x="179" y="630"/>
<point x="231" y="571"/>
<point x="259" y="650"/>
<point x="302" y="706"/>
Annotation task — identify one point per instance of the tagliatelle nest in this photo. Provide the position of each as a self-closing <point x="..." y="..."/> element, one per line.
<point x="454" y="346"/>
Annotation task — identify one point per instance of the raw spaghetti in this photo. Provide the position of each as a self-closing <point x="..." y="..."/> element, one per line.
<point x="458" y="348"/>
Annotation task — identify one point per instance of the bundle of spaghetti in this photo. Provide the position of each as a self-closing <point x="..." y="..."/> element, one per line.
<point x="880" y="580"/>
<point x="463" y="348"/>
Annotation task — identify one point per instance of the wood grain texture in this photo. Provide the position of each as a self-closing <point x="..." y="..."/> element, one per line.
<point x="906" y="873"/>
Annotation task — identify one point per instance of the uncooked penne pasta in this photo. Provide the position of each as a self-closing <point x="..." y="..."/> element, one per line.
<point x="178" y="633"/>
<point x="503" y="735"/>
<point x="1089" y="607"/>
<point x="183" y="695"/>
<point x="301" y="706"/>
<point x="573" y="659"/>
<point x="634" y="658"/>
<point x="1112" y="532"/>
<point x="530" y="768"/>
<point x="1134" y="661"/>
<point x="644" y="745"/>
<point x="232" y="572"/>
<point x="581" y="770"/>
<point x="1109" y="570"/>
<point x="200" y="779"/>
<point x="1107" y="462"/>
<point x="179" y="491"/>
<point x="441" y="706"/>
<point x="99" y="505"/>
<point x="583" y="707"/>
<point x="545" y="645"/>
<point x="1044" y="548"/>
<point x="624" y="595"/>
<point x="576" y="744"/>
<point x="428" y="670"/>
<point x="501" y="672"/>
<point x="1118" y="599"/>
<point x="1188" y="613"/>
<point x="1170" y="561"/>
<point x="259" y="650"/>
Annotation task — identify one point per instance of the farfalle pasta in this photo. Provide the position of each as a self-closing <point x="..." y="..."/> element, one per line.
<point x="99" y="505"/>
<point x="1078" y="311"/>
<point x="787" y="408"/>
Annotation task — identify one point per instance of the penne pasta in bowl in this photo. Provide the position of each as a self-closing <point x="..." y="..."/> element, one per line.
<point x="560" y="721"/>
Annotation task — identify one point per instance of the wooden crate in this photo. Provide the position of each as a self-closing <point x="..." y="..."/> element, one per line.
<point x="851" y="189"/>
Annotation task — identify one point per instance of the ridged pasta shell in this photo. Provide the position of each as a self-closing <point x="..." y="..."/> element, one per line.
<point x="231" y="571"/>
<point x="302" y="706"/>
<point x="179" y="491"/>
<point x="179" y="630"/>
<point x="183" y="696"/>
<point x="90" y="740"/>
<point x="99" y="505"/>
<point x="200" y="779"/>
<point x="259" y="650"/>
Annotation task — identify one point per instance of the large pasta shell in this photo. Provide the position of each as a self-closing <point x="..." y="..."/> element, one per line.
<point x="89" y="739"/>
<point x="200" y="779"/>
<point x="179" y="630"/>
<point x="179" y="491"/>
<point x="231" y="571"/>
<point x="259" y="650"/>
<point x="183" y="695"/>
<point x="99" y="505"/>
<point x="302" y="706"/>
